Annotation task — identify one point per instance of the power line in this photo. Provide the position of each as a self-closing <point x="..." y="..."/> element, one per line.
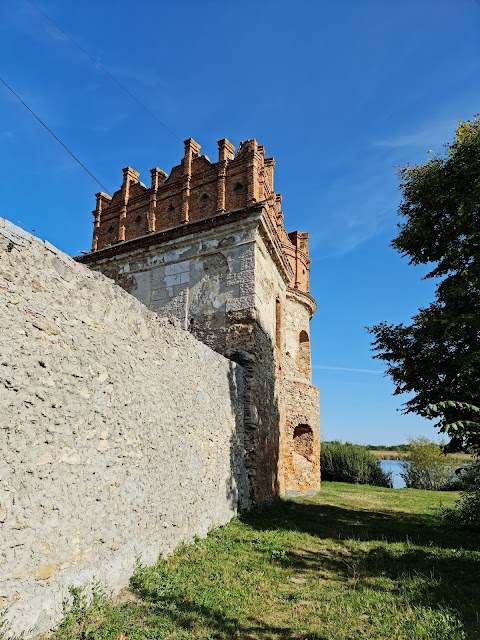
<point x="52" y="134"/>
<point x="107" y="73"/>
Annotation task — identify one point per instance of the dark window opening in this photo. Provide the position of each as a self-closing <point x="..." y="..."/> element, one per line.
<point x="278" y="322"/>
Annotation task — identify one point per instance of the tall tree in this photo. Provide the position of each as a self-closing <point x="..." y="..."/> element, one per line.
<point x="437" y="356"/>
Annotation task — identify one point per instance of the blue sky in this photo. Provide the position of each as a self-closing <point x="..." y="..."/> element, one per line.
<point x="338" y="92"/>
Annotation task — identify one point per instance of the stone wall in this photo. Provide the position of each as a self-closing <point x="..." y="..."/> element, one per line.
<point x="223" y="285"/>
<point x="120" y="434"/>
<point x="197" y="279"/>
<point x="301" y="462"/>
<point x="296" y="364"/>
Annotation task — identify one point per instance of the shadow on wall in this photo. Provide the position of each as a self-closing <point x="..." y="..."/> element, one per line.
<point x="257" y="437"/>
<point x="237" y="484"/>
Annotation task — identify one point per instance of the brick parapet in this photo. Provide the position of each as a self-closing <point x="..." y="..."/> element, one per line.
<point x="197" y="189"/>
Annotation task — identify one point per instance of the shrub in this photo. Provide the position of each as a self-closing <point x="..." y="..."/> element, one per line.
<point x="427" y="467"/>
<point x="467" y="511"/>
<point x="351" y="463"/>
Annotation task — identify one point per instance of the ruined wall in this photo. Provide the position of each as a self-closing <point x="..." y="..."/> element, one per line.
<point x="285" y="318"/>
<point x="301" y="435"/>
<point x="227" y="284"/>
<point x="270" y="291"/>
<point x="301" y="438"/>
<point x="120" y="434"/>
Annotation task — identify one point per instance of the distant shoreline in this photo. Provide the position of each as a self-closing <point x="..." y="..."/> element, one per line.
<point x="389" y="454"/>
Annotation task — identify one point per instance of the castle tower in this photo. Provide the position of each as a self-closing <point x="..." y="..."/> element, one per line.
<point x="206" y="245"/>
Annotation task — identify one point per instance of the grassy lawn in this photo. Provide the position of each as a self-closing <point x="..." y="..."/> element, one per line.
<point x="352" y="562"/>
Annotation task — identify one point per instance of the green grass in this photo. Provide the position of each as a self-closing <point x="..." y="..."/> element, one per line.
<point x="352" y="562"/>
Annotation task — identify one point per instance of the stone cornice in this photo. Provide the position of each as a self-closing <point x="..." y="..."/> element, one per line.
<point x="159" y="237"/>
<point x="303" y="298"/>
<point x="274" y="245"/>
<point x="197" y="228"/>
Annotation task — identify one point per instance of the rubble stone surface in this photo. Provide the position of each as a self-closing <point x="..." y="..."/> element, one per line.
<point x="121" y="435"/>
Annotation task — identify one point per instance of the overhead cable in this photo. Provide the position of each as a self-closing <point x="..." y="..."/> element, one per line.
<point x="52" y="134"/>
<point x="102" y="68"/>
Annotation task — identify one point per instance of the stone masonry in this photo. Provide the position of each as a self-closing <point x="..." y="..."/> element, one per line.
<point x="121" y="435"/>
<point x="206" y="245"/>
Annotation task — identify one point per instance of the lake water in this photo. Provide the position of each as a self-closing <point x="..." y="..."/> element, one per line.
<point x="395" y="467"/>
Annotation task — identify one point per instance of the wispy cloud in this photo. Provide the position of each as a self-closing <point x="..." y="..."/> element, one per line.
<point x="362" y="202"/>
<point x="109" y="123"/>
<point x="7" y="134"/>
<point x="433" y="130"/>
<point x="427" y="135"/>
<point x="30" y="21"/>
<point x="351" y="369"/>
<point x="355" y="208"/>
<point x="26" y="19"/>
<point x="148" y="77"/>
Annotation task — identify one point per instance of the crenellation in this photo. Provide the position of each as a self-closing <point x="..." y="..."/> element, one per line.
<point x="226" y="150"/>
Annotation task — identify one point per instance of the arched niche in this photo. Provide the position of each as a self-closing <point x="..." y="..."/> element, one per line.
<point x="303" y="441"/>
<point x="303" y="353"/>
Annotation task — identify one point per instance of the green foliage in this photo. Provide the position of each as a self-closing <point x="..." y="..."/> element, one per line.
<point x="351" y="463"/>
<point x="437" y="356"/>
<point x="6" y="628"/>
<point x="82" y="605"/>
<point x="467" y="510"/>
<point x="426" y="466"/>
<point x="382" y="447"/>
<point x="468" y="430"/>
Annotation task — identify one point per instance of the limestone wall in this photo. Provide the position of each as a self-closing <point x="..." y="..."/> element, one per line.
<point x="120" y="434"/>
<point x="197" y="279"/>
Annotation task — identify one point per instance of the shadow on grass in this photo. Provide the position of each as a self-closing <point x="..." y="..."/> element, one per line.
<point x="436" y="568"/>
<point x="439" y="567"/>
<point x="324" y="521"/>
<point x="190" y="616"/>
